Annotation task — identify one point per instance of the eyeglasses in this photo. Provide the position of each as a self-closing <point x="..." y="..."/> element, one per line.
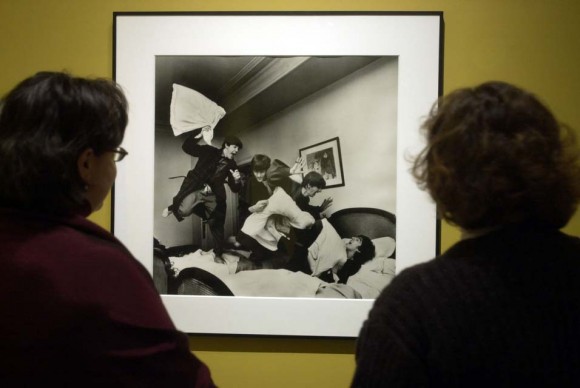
<point x="120" y="154"/>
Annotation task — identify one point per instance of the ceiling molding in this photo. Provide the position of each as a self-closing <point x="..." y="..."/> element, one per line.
<point x="266" y="77"/>
<point x="244" y="73"/>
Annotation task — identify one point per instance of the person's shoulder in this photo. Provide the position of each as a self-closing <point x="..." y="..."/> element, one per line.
<point x="483" y="258"/>
<point x="572" y="242"/>
<point x="74" y="244"/>
<point x="100" y="270"/>
<point x="102" y="252"/>
<point x="90" y="239"/>
<point x="72" y="251"/>
<point x="416" y="275"/>
<point x="207" y="148"/>
<point x="425" y="281"/>
<point x="202" y="149"/>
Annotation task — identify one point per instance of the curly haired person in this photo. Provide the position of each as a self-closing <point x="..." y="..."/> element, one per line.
<point x="502" y="306"/>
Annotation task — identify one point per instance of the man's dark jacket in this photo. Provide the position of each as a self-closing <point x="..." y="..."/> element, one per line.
<point x="211" y="168"/>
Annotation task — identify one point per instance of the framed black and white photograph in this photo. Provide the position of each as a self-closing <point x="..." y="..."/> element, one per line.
<point x="324" y="158"/>
<point x="267" y="190"/>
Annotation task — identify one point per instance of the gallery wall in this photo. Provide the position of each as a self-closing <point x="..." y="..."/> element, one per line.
<point x="535" y="44"/>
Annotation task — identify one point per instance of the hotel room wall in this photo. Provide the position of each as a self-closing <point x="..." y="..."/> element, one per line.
<point x="167" y="230"/>
<point x="361" y="110"/>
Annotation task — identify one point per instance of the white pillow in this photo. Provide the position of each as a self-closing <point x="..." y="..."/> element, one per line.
<point x="384" y="246"/>
<point x="380" y="265"/>
<point x="190" y="110"/>
<point x="370" y="283"/>
<point x="327" y="250"/>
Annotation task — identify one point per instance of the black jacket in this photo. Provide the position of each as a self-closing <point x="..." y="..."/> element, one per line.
<point x="500" y="310"/>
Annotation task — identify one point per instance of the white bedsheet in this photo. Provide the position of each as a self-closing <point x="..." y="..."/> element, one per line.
<point x="368" y="283"/>
<point x="258" y="283"/>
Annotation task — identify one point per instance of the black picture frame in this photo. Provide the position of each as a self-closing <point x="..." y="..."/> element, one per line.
<point x="326" y="159"/>
<point x="415" y="39"/>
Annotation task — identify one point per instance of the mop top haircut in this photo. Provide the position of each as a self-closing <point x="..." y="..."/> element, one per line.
<point x="314" y="179"/>
<point x="46" y="122"/>
<point x="260" y="162"/>
<point x="497" y="156"/>
<point x="366" y="251"/>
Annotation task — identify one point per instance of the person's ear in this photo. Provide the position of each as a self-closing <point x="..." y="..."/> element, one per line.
<point x="85" y="165"/>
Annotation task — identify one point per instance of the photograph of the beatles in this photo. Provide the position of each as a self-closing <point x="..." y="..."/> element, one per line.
<point x="275" y="176"/>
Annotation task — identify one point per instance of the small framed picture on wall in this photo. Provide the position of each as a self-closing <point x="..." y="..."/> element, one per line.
<point x="325" y="159"/>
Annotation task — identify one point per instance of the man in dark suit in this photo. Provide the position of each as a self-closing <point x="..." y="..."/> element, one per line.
<point x="312" y="184"/>
<point x="202" y="191"/>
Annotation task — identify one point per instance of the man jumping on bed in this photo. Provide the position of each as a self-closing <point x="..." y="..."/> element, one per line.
<point x="300" y="189"/>
<point x="255" y="192"/>
<point x="202" y="191"/>
<point x="312" y="184"/>
<point x="267" y="233"/>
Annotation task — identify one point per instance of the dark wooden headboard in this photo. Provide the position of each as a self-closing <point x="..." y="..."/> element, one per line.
<point x="371" y="222"/>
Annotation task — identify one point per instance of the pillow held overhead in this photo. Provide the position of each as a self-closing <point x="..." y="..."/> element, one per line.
<point x="191" y="110"/>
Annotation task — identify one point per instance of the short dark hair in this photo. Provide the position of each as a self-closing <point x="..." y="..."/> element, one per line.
<point x="495" y="156"/>
<point x="46" y="122"/>
<point x="260" y="162"/>
<point x="314" y="179"/>
<point x="366" y="251"/>
<point x="232" y="140"/>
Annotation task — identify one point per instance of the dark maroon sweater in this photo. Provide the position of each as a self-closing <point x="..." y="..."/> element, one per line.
<point x="501" y="310"/>
<point x="78" y="310"/>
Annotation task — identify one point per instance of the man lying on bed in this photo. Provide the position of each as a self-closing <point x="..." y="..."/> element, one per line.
<point x="359" y="250"/>
<point x="319" y="251"/>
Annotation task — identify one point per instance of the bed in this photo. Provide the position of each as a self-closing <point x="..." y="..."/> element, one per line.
<point x="191" y="271"/>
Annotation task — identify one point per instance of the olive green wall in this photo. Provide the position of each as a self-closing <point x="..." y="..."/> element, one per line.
<point x="533" y="43"/>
